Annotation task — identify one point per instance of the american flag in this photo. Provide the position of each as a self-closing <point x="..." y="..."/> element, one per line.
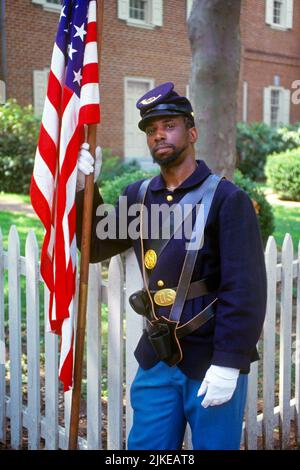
<point x="72" y="101"/>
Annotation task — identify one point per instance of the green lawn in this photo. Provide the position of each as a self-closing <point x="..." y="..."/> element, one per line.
<point x="24" y="224"/>
<point x="287" y="220"/>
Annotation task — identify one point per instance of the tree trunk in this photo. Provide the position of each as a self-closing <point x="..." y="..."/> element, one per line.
<point x="213" y="28"/>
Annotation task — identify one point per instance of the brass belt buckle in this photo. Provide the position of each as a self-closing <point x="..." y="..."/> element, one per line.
<point x="164" y="297"/>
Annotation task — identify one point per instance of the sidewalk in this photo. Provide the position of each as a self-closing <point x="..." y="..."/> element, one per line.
<point x="8" y="204"/>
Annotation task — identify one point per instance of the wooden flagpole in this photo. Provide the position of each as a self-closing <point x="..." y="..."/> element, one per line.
<point x="84" y="265"/>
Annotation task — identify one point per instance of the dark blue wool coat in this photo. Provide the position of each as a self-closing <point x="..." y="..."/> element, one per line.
<point x="232" y="256"/>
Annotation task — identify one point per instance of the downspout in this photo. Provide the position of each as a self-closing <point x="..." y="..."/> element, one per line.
<point x="3" y="61"/>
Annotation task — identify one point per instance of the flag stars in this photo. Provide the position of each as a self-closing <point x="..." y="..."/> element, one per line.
<point x="80" y="31"/>
<point x="71" y="51"/>
<point x="77" y="76"/>
<point x="62" y="13"/>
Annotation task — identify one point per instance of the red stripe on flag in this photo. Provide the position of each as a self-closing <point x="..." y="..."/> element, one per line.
<point x="54" y="92"/>
<point x="67" y="95"/>
<point x="41" y="205"/>
<point x="91" y="32"/>
<point x="90" y="74"/>
<point x="47" y="149"/>
<point x="89" y="114"/>
<point x="67" y="370"/>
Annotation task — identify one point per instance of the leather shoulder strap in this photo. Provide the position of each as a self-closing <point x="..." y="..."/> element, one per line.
<point x="173" y="223"/>
<point x="142" y="190"/>
<point x="193" y="248"/>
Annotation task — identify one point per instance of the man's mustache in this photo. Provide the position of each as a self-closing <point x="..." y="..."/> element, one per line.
<point x="157" y="147"/>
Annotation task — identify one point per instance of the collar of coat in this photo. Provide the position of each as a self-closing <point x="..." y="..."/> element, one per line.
<point x="197" y="177"/>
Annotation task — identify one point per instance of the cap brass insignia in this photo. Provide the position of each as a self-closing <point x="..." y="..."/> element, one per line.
<point x="150" y="259"/>
<point x="150" y="100"/>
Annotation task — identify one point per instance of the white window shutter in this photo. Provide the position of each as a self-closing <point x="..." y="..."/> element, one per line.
<point x="40" y="2"/>
<point x="40" y="79"/>
<point x="157" y="12"/>
<point x="123" y="9"/>
<point x="289" y="13"/>
<point x="187" y="92"/>
<point x="2" y="92"/>
<point x="269" y="11"/>
<point x="285" y="106"/>
<point x="189" y="4"/>
<point x="267" y="106"/>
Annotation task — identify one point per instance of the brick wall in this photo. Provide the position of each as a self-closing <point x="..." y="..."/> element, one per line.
<point x="267" y="52"/>
<point x="30" y="33"/>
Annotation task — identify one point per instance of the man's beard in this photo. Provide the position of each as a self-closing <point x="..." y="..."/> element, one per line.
<point x="167" y="161"/>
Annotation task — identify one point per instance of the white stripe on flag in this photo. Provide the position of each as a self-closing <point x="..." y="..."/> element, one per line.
<point x="92" y="13"/>
<point x="73" y="252"/>
<point x="51" y="241"/>
<point x="89" y="94"/>
<point x="68" y="126"/>
<point x="66" y="336"/>
<point x="43" y="177"/>
<point x="51" y="121"/>
<point x="90" y="53"/>
<point x="58" y="64"/>
<point x="70" y="198"/>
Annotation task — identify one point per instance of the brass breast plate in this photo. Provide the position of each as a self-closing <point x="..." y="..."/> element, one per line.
<point x="164" y="297"/>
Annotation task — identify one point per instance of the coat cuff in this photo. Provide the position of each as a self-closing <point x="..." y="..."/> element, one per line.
<point x="231" y="359"/>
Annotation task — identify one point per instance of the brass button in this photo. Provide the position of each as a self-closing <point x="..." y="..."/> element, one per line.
<point x="160" y="283"/>
<point x="169" y="198"/>
<point x="150" y="259"/>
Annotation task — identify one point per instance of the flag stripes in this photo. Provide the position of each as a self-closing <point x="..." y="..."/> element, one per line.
<point x="72" y="101"/>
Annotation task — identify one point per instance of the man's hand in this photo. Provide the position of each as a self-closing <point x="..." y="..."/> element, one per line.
<point x="219" y="385"/>
<point x="86" y="165"/>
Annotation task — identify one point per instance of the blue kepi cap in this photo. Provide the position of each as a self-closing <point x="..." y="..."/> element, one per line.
<point x="163" y="101"/>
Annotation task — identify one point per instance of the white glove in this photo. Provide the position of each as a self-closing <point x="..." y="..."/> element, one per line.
<point x="219" y="384"/>
<point x="85" y="165"/>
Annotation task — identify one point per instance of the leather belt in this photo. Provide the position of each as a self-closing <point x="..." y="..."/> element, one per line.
<point x="206" y="314"/>
<point x="196" y="322"/>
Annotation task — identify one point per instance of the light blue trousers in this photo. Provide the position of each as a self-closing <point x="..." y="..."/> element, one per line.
<point x="164" y="400"/>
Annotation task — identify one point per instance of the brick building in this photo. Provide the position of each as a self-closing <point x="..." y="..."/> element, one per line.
<point x="145" y="43"/>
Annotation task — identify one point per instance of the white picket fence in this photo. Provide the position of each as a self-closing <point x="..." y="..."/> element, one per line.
<point x="44" y="415"/>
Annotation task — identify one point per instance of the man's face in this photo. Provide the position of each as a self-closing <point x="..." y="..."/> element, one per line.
<point x="168" y="139"/>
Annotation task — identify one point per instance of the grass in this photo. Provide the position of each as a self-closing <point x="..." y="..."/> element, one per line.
<point x="24" y="224"/>
<point x="287" y="220"/>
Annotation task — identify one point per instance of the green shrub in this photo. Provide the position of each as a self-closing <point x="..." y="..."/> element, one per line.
<point x="113" y="166"/>
<point x="111" y="190"/>
<point x="258" y="140"/>
<point x="283" y="174"/>
<point x="262" y="207"/>
<point x="18" y="139"/>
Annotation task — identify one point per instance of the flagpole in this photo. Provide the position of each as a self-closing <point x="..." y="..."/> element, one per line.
<point x="84" y="266"/>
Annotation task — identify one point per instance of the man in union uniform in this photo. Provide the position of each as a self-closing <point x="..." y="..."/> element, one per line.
<point x="216" y="303"/>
